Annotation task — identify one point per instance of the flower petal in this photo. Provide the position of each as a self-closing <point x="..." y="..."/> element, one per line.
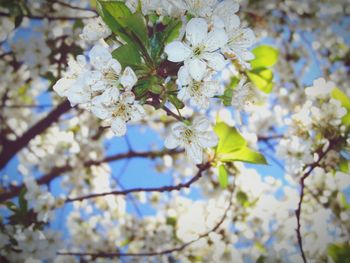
<point x="195" y="153"/>
<point x="129" y="78"/>
<point x="184" y="77"/>
<point x="118" y="127"/>
<point x="99" y="56"/>
<point x="62" y="86"/>
<point x="215" y="61"/>
<point x="208" y="139"/>
<point x="177" y="51"/>
<point x="201" y="123"/>
<point x="127" y="97"/>
<point x="197" y="68"/>
<point x="216" y="39"/>
<point x="196" y="31"/>
<point x="137" y="112"/>
<point x="171" y="142"/>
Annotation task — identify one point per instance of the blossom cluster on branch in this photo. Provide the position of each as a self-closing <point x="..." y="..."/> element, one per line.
<point x="241" y="108"/>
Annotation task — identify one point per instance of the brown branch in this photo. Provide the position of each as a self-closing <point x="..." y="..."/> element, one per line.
<point x="57" y="171"/>
<point x="156" y="253"/>
<point x="50" y="18"/>
<point x="162" y="189"/>
<point x="298" y="210"/>
<point x="11" y="148"/>
<point x="73" y="7"/>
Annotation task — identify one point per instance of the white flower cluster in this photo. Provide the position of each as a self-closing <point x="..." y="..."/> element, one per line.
<point x="30" y="244"/>
<point x="213" y="34"/>
<point x="41" y="200"/>
<point x="97" y="86"/>
<point x="317" y="122"/>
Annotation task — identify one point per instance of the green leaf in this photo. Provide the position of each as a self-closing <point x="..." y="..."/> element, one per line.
<point x="340" y="253"/>
<point x="23" y="204"/>
<point x="116" y="9"/>
<point x="229" y="139"/>
<point x="262" y="79"/>
<point x="137" y="24"/>
<point x="223" y="176"/>
<point x="344" y="166"/>
<point x="244" y="155"/>
<point x="242" y="198"/>
<point x="233" y="147"/>
<point x="345" y="102"/>
<point x="114" y="14"/>
<point x="172" y="31"/>
<point x="265" y="56"/>
<point x="176" y="102"/>
<point x="127" y="55"/>
<point x="339" y="95"/>
<point x="156" y="88"/>
<point x="261" y="259"/>
<point x="10" y="205"/>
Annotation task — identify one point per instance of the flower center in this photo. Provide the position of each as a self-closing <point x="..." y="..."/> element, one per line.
<point x="198" y="50"/>
<point x="187" y="136"/>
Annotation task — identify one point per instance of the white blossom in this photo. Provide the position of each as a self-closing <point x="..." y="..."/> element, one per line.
<point x="199" y="92"/>
<point x="200" y="50"/>
<point x="94" y="30"/>
<point x="193" y="138"/>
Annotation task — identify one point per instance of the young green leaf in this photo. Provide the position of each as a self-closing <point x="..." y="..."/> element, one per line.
<point x="229" y="139"/>
<point x="262" y="79"/>
<point x="223" y="176"/>
<point x="345" y="102"/>
<point x="233" y="147"/>
<point x="265" y="56"/>
<point x="244" y="155"/>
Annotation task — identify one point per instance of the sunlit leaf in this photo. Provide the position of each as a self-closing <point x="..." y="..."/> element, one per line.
<point x="229" y="139"/>
<point x="244" y="155"/>
<point x="223" y="176"/>
<point x="233" y="147"/>
<point x="265" y="56"/>
<point x="262" y="79"/>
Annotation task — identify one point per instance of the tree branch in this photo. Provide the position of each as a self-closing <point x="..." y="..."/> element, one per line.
<point x="11" y="148"/>
<point x="57" y="171"/>
<point x="298" y="210"/>
<point x="51" y="18"/>
<point x="162" y="189"/>
<point x="156" y="253"/>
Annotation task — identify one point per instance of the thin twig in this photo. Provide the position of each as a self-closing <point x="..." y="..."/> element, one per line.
<point x="162" y="189"/>
<point x="156" y="253"/>
<point x="57" y="171"/>
<point x="298" y="210"/>
<point x="50" y="18"/>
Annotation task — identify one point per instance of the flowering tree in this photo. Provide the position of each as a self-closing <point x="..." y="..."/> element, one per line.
<point x="248" y="108"/>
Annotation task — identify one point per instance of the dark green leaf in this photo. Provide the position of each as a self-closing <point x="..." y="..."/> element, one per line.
<point x="127" y="55"/>
<point x="23" y="205"/>
<point x="137" y="24"/>
<point x="176" y="102"/>
<point x="156" y="88"/>
<point x="340" y="253"/>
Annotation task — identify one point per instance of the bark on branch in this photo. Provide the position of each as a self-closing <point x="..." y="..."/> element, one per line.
<point x="11" y="148"/>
